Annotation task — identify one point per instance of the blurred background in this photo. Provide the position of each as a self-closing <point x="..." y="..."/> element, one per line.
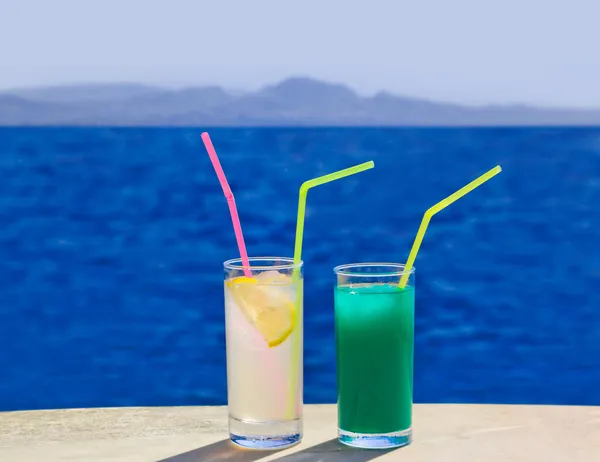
<point x="114" y="228"/>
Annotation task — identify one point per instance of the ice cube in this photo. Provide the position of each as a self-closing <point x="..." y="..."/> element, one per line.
<point x="272" y="277"/>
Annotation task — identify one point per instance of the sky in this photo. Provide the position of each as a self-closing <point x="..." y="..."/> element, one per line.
<point x="544" y="52"/>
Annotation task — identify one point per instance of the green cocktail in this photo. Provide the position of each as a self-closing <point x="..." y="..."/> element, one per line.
<point x="374" y="327"/>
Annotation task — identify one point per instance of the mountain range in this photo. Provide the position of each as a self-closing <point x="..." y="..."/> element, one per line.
<point x="292" y="102"/>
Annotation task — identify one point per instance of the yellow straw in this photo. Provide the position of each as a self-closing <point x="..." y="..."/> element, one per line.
<point x="302" y="199"/>
<point x="441" y="205"/>
<point x="298" y="255"/>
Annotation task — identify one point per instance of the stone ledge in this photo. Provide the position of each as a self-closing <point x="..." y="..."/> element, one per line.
<point x="442" y="432"/>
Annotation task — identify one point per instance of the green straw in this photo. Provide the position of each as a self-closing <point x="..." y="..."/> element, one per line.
<point x="298" y="255"/>
<point x="441" y="205"/>
<point x="302" y="199"/>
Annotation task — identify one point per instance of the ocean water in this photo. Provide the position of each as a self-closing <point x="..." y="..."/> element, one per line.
<point x="112" y="243"/>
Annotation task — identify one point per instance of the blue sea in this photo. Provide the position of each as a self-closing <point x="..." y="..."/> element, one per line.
<point x="112" y="243"/>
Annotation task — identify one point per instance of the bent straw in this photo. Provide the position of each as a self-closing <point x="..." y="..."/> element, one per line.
<point x="237" y="226"/>
<point x="441" y="205"/>
<point x="302" y="199"/>
<point x="298" y="254"/>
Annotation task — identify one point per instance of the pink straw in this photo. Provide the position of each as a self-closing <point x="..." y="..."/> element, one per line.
<point x="237" y="227"/>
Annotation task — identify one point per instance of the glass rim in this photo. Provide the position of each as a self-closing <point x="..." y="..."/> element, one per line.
<point x="287" y="263"/>
<point x="346" y="270"/>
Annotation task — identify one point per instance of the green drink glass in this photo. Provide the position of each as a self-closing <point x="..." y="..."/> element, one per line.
<point x="374" y="332"/>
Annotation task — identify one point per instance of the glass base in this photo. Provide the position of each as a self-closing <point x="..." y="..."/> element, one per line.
<point x="268" y="442"/>
<point x="265" y="435"/>
<point x="375" y="440"/>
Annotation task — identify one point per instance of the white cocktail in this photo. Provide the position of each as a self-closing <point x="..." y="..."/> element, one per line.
<point x="263" y="318"/>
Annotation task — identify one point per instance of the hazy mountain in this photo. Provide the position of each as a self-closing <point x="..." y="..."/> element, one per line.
<point x="85" y="92"/>
<point x="17" y="110"/>
<point x="296" y="101"/>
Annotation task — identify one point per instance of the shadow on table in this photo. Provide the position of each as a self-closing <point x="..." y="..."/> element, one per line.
<point x="328" y="451"/>
<point x="333" y="451"/>
<point x="223" y="450"/>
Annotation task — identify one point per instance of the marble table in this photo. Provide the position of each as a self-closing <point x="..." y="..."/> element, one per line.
<point x="442" y="432"/>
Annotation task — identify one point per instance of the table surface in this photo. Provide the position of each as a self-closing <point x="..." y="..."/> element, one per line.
<point x="442" y="432"/>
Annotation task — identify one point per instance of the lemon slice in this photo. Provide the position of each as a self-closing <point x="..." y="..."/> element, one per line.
<point x="266" y="307"/>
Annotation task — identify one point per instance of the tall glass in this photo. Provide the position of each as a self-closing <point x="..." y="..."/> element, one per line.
<point x="374" y="331"/>
<point x="263" y="327"/>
